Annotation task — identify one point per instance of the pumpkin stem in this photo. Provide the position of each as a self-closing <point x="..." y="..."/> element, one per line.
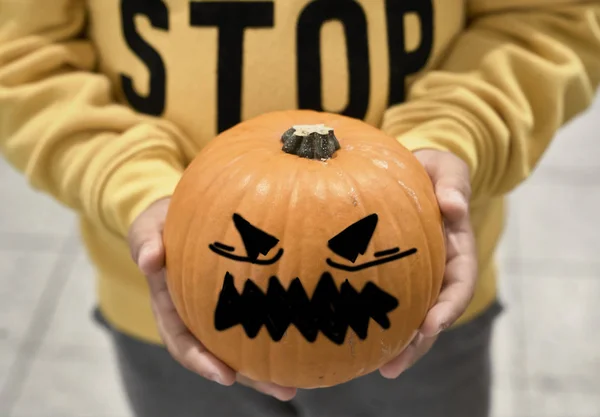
<point x="310" y="141"/>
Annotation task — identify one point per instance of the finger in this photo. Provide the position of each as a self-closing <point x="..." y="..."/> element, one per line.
<point x="183" y="346"/>
<point x="413" y="352"/>
<point x="453" y="192"/>
<point x="274" y="390"/>
<point x="421" y="350"/>
<point x="165" y="308"/>
<point x="151" y="257"/>
<point x="191" y="354"/>
<point x="145" y="238"/>
<point x="452" y="302"/>
<point x="450" y="177"/>
<point x="158" y="288"/>
<point x="452" y="187"/>
<point x="396" y="366"/>
<point x="460" y="278"/>
<point x="453" y="202"/>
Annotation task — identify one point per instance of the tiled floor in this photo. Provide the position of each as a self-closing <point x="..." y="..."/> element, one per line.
<point x="55" y="363"/>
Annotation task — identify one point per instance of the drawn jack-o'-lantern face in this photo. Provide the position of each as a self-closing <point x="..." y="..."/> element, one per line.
<point x="301" y="260"/>
<point x="331" y="310"/>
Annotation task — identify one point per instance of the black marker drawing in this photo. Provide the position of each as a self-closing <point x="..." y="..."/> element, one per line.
<point x="256" y="242"/>
<point x="219" y="245"/>
<point x="354" y="241"/>
<point x="330" y="311"/>
<point x="386" y="252"/>
<point x="354" y="268"/>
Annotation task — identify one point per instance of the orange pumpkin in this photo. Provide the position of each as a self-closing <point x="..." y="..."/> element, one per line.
<point x="304" y="248"/>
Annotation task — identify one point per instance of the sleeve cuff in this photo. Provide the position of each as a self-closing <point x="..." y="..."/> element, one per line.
<point x="444" y="135"/>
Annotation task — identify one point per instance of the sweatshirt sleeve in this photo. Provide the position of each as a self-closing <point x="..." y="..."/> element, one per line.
<point x="60" y="124"/>
<point x="512" y="79"/>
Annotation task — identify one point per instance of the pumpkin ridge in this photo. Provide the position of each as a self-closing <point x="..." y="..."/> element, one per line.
<point x="425" y="206"/>
<point x="228" y="226"/>
<point x="377" y="279"/>
<point x="356" y="196"/>
<point x="291" y="178"/>
<point x="192" y="245"/>
<point x="420" y="214"/>
<point x="188" y="243"/>
<point x="249" y="188"/>
<point x="266" y="216"/>
<point x="419" y="211"/>
<point x="406" y="286"/>
<point x="339" y="173"/>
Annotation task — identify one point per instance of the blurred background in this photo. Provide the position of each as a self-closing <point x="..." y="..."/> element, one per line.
<point x="55" y="362"/>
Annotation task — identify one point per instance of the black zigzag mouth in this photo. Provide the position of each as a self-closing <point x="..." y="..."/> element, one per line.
<point x="330" y="311"/>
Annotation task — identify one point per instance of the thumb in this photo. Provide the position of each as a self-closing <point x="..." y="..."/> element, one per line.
<point x="151" y="256"/>
<point x="451" y="179"/>
<point x="145" y="239"/>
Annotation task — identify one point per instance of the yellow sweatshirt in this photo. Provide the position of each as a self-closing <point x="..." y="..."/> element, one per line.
<point x="103" y="103"/>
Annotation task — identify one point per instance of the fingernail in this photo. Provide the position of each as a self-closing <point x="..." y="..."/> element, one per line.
<point x="457" y="197"/>
<point x="144" y="251"/>
<point x="215" y="378"/>
<point x="143" y="258"/>
<point x="282" y="396"/>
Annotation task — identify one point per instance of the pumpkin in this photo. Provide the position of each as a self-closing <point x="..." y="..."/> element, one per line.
<point x="304" y="248"/>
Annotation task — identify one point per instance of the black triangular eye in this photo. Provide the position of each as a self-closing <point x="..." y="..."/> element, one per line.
<point x="255" y="240"/>
<point x="354" y="240"/>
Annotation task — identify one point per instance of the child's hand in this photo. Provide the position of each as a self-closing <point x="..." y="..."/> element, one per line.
<point x="146" y="244"/>
<point x="450" y="176"/>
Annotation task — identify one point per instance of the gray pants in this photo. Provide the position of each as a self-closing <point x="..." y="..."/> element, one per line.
<point x="452" y="380"/>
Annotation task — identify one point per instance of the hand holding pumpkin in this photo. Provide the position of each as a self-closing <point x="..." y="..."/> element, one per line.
<point x="450" y="177"/>
<point x="147" y="250"/>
